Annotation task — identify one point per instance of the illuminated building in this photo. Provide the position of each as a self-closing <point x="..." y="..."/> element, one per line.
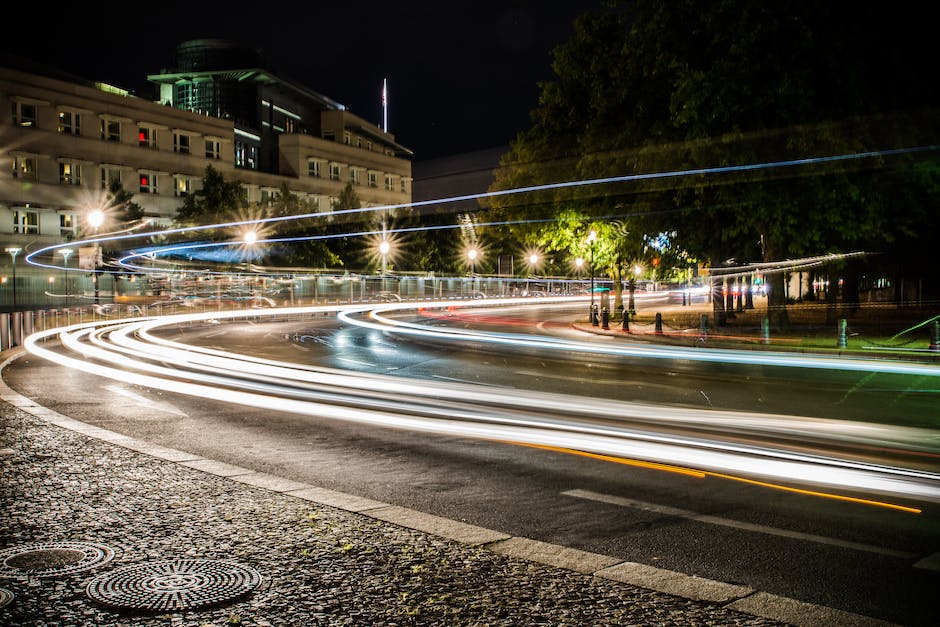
<point x="62" y="139"/>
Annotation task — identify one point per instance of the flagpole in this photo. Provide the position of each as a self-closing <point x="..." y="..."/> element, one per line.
<point x="385" y="104"/>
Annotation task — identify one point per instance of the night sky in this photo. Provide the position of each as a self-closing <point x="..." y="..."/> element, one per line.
<point x="462" y="75"/>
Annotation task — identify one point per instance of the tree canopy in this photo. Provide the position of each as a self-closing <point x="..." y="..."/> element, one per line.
<point x="654" y="89"/>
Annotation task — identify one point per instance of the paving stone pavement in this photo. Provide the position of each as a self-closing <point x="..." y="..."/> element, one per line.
<point x="319" y="565"/>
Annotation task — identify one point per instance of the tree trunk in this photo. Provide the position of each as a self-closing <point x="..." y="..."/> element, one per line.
<point x="776" y="297"/>
<point x="749" y="294"/>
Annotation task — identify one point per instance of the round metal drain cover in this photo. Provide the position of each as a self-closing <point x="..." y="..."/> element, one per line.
<point x="5" y="597"/>
<point x="173" y="585"/>
<point x="48" y="559"/>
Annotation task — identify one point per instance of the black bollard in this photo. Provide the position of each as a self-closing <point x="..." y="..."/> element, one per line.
<point x="935" y="336"/>
<point x="605" y="318"/>
<point x="626" y="322"/>
<point x="659" y="323"/>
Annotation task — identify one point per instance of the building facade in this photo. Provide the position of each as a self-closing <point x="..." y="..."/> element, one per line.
<point x="63" y="140"/>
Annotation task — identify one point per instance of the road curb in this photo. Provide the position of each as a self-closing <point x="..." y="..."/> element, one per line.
<point x="729" y="595"/>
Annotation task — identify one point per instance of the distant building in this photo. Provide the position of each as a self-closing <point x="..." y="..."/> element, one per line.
<point x="63" y="140"/>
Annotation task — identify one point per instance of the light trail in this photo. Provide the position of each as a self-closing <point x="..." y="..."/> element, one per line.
<point x="789" y="163"/>
<point x="758" y="358"/>
<point x="129" y="351"/>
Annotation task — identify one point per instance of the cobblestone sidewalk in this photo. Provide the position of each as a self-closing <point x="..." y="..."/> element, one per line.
<point x="318" y="565"/>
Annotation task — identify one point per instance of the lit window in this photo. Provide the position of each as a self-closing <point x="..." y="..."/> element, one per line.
<point x="313" y="168"/>
<point x="24" y="168"/>
<point x="24" y="114"/>
<point x="70" y="173"/>
<point x="148" y="183"/>
<point x="181" y="143"/>
<point x="268" y="196"/>
<point x="183" y="186"/>
<point x="66" y="224"/>
<point x="70" y="123"/>
<point x="111" y="130"/>
<point x="213" y="149"/>
<point x="246" y="155"/>
<point x="147" y="137"/>
<point x="26" y="222"/>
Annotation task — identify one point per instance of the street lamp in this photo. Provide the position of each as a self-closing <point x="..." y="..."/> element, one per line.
<point x="631" y="305"/>
<point x="532" y="259"/>
<point x="592" y="240"/>
<point x="472" y="255"/>
<point x="250" y="238"/>
<point x="66" y="252"/>
<point x="384" y="248"/>
<point x="95" y="220"/>
<point x="14" y="251"/>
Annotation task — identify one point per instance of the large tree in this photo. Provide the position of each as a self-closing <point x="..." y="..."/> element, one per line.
<point x="647" y="87"/>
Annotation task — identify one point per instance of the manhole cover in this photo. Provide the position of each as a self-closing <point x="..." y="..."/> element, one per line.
<point x="173" y="585"/>
<point x="5" y="597"/>
<point x="47" y="559"/>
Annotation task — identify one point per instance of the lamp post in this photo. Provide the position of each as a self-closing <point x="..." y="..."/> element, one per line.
<point x="250" y="238"/>
<point x="95" y="220"/>
<point x="66" y="252"/>
<point x="14" y="251"/>
<point x="631" y="305"/>
<point x="533" y="260"/>
<point x="472" y="255"/>
<point x="384" y="248"/>
<point x="592" y="240"/>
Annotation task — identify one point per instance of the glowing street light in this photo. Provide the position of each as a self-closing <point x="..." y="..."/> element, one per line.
<point x="385" y="247"/>
<point x="532" y="260"/>
<point x="14" y="251"/>
<point x="95" y="220"/>
<point x="66" y="252"/>
<point x="250" y="238"/>
<point x="631" y="305"/>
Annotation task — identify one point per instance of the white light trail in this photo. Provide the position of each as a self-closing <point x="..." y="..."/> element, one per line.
<point x="128" y="351"/>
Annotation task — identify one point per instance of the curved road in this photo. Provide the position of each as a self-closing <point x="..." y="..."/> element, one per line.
<point x="848" y="554"/>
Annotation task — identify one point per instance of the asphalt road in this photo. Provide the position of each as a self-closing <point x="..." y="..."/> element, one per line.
<point x="847" y="555"/>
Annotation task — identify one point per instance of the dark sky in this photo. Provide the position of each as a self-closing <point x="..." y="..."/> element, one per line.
<point x="462" y="75"/>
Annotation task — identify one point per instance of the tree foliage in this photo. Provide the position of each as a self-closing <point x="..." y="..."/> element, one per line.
<point x="646" y="87"/>
<point x="217" y="201"/>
